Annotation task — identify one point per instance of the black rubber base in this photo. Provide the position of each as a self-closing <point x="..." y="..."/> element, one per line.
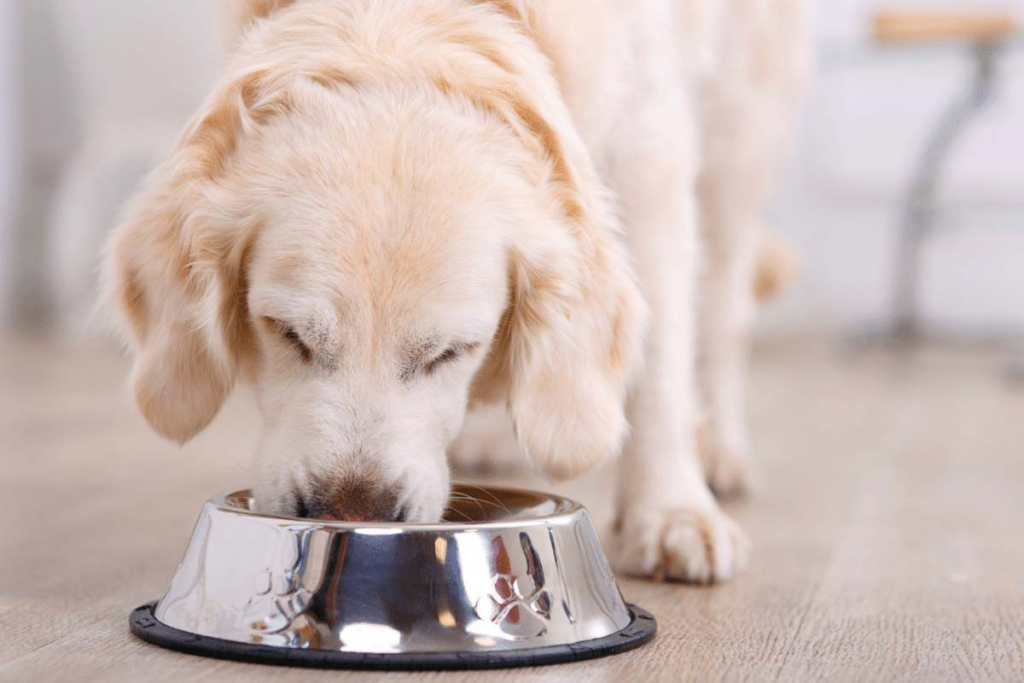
<point x="145" y="625"/>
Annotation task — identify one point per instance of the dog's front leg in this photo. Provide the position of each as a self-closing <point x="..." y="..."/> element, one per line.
<point x="669" y="524"/>
<point x="731" y="239"/>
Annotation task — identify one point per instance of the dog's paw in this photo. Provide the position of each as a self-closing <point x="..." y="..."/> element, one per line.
<point x="730" y="471"/>
<point x="727" y="464"/>
<point x="486" y="444"/>
<point x="683" y="544"/>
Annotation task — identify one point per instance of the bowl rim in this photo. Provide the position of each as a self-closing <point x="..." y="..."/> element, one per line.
<point x="567" y="510"/>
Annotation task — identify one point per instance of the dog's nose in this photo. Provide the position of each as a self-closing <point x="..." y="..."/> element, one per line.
<point x="354" y="501"/>
<point x="337" y="514"/>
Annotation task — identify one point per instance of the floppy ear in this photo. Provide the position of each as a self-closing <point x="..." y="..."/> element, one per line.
<point x="573" y="334"/>
<point x="574" y="342"/>
<point x="174" y="271"/>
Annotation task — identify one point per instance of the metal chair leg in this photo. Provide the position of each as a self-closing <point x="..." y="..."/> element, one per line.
<point x="918" y="221"/>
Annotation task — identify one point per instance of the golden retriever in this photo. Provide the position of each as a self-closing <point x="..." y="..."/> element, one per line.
<point x="387" y="211"/>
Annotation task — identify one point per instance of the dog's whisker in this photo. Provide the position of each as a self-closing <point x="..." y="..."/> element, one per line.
<point x="466" y="498"/>
<point x="496" y="501"/>
<point x="460" y="512"/>
<point x="480" y="502"/>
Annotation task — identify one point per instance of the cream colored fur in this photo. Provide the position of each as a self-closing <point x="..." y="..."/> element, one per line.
<point x="388" y="210"/>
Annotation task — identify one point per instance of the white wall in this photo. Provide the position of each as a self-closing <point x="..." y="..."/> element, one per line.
<point x="10" y="155"/>
<point x="98" y="88"/>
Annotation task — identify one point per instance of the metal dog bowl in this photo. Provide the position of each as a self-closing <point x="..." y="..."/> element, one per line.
<point x="521" y="580"/>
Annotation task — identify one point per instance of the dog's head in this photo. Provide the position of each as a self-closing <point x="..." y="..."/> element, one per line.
<point x="371" y="256"/>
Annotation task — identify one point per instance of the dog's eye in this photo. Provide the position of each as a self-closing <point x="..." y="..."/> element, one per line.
<point x="447" y="356"/>
<point x="288" y="333"/>
<point x="450" y="354"/>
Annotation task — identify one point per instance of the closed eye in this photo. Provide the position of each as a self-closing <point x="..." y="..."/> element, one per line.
<point x="288" y="333"/>
<point x="449" y="355"/>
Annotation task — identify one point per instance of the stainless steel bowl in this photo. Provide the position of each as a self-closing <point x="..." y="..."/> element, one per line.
<point x="516" y="578"/>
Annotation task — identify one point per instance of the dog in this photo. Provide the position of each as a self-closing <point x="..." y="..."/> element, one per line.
<point x="386" y="212"/>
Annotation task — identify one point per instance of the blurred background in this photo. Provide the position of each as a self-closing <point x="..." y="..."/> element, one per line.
<point x="95" y="91"/>
<point x="890" y="477"/>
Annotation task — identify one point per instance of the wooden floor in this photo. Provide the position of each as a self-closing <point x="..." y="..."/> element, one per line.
<point x="888" y="532"/>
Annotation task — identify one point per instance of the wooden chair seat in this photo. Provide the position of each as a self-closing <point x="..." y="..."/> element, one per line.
<point x="915" y="27"/>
